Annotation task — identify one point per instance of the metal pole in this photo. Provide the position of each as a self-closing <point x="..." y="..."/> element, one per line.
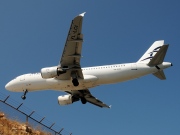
<point x="26" y="119"/>
<point x="41" y="119"/>
<point x="51" y="125"/>
<point x="61" y="130"/>
<point x="20" y="106"/>
<point x="6" y="98"/>
<point x="31" y="113"/>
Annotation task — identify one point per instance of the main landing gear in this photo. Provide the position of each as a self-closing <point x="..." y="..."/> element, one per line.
<point x="83" y="100"/>
<point x="24" y="95"/>
<point x="75" y="82"/>
<point x="74" y="78"/>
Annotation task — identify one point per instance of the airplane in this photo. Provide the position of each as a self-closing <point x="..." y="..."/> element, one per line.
<point x="70" y="77"/>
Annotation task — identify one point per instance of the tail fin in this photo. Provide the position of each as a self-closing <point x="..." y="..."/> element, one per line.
<point x="150" y="53"/>
<point x="159" y="56"/>
<point x="155" y="56"/>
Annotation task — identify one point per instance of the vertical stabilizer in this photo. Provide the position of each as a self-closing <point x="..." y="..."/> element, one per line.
<point x="154" y="57"/>
<point x="159" y="57"/>
<point x="150" y="53"/>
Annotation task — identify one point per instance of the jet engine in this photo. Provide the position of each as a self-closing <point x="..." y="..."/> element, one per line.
<point x="67" y="99"/>
<point x="51" y="72"/>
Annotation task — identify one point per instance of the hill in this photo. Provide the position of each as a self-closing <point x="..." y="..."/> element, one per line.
<point x="12" y="127"/>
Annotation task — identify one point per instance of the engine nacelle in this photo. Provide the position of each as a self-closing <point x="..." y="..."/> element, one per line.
<point x="51" y="72"/>
<point x="67" y="99"/>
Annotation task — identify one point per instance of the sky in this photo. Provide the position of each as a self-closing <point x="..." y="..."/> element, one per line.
<point x="33" y="34"/>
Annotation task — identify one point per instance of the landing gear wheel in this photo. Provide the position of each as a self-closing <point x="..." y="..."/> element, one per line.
<point x="83" y="100"/>
<point x="24" y="95"/>
<point x="75" y="82"/>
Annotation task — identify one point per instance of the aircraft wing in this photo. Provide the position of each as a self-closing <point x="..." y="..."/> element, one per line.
<point x="88" y="96"/>
<point x="71" y="55"/>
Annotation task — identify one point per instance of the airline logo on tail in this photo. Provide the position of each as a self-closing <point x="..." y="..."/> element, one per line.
<point x="151" y="53"/>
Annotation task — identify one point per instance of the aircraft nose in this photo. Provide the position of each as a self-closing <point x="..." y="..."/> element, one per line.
<point x="9" y="86"/>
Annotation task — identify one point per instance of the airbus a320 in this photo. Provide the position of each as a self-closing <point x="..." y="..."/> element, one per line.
<point x="70" y="77"/>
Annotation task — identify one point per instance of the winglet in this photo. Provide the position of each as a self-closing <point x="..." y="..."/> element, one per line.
<point x="82" y="14"/>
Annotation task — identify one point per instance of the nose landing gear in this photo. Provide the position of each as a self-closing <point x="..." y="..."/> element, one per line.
<point x="24" y="95"/>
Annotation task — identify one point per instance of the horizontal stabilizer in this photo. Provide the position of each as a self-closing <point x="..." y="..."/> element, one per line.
<point x="159" y="56"/>
<point x="160" y="75"/>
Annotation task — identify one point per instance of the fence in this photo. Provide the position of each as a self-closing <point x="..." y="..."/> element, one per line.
<point x="18" y="111"/>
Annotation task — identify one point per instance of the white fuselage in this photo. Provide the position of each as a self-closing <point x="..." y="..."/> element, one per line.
<point x="93" y="76"/>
